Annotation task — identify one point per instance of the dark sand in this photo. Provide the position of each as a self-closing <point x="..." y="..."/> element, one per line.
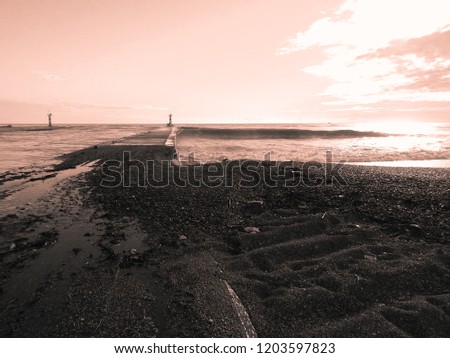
<point x="369" y="259"/>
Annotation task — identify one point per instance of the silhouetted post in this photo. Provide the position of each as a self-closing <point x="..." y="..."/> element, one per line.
<point x="170" y="121"/>
<point x="49" y="119"/>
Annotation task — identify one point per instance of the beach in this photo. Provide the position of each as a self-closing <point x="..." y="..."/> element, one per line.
<point x="364" y="253"/>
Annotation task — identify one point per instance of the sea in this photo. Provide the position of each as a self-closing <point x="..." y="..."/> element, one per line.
<point x="402" y="144"/>
<point x="23" y="146"/>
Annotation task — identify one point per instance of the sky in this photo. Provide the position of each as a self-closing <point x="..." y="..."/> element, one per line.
<point x="216" y="61"/>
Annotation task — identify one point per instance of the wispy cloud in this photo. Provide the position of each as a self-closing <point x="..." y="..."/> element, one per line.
<point x="380" y="51"/>
<point x="48" y="75"/>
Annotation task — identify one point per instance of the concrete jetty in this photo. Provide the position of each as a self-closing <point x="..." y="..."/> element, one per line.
<point x="171" y="140"/>
<point x="165" y="136"/>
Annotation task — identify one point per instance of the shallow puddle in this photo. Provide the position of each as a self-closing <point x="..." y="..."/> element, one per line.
<point x="20" y="194"/>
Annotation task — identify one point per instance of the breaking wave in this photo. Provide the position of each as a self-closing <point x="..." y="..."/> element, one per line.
<point x="276" y="133"/>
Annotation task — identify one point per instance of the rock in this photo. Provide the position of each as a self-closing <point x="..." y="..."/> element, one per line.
<point x="12" y="246"/>
<point x="292" y="171"/>
<point x="354" y="226"/>
<point x="370" y="258"/>
<point x="252" y="230"/>
<point x="183" y="237"/>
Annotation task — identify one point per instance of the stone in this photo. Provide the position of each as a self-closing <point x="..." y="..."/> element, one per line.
<point x="252" y="230"/>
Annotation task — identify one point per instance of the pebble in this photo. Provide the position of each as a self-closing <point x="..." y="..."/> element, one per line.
<point x="252" y="230"/>
<point x="370" y="258"/>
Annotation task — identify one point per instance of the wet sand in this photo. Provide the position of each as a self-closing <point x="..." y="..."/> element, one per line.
<point x="367" y="259"/>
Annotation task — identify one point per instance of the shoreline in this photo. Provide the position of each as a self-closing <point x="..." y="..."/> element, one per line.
<point x="370" y="259"/>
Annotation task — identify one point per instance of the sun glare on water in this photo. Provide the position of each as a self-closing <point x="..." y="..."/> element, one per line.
<point x="400" y="127"/>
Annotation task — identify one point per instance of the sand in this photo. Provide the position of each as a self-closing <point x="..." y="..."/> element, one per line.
<point x="367" y="259"/>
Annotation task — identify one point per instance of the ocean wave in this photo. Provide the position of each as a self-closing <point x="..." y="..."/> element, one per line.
<point x="275" y="133"/>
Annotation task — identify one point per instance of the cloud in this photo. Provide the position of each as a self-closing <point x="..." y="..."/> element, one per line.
<point x="430" y="47"/>
<point x="48" y="75"/>
<point x="423" y="61"/>
<point x="382" y="50"/>
<point x="362" y="25"/>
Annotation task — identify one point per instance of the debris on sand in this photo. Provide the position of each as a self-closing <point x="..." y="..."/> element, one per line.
<point x="244" y="318"/>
